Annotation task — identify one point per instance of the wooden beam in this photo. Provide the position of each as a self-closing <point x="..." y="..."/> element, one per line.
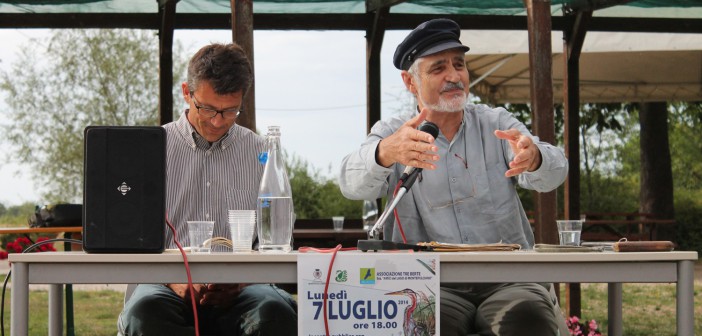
<point x="374" y="43"/>
<point x="573" y="39"/>
<point x="574" y="35"/>
<point x="540" y="61"/>
<point x="242" y="33"/>
<point x="166" y="10"/>
<point x="332" y="22"/>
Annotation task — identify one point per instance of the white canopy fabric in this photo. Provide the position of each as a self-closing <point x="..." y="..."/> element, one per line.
<point x="614" y="67"/>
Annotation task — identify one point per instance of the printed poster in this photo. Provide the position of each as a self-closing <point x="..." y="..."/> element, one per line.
<point x="388" y="294"/>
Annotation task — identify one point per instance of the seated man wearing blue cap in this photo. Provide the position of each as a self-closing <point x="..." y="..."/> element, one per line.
<point x="466" y="192"/>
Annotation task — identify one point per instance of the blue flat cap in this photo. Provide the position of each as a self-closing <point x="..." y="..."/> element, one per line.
<point x="428" y="38"/>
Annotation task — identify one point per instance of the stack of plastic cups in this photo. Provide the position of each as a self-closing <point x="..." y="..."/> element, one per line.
<point x="241" y="224"/>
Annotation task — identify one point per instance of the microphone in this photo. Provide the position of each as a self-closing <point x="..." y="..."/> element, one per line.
<point x="409" y="175"/>
<point x="433" y="130"/>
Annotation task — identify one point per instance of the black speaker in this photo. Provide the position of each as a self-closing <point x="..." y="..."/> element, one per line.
<point x="124" y="189"/>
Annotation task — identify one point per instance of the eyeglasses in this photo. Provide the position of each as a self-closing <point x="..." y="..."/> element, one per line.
<point x="208" y="112"/>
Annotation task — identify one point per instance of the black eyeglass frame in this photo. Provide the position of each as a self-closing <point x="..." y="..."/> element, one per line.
<point x="226" y="114"/>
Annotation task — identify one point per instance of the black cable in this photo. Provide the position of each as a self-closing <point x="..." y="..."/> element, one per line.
<point x="7" y="278"/>
<point x="2" y="306"/>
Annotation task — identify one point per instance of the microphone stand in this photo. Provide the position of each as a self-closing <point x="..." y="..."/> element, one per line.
<point x="407" y="178"/>
<point x="374" y="242"/>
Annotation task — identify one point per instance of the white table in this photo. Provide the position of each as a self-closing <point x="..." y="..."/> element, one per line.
<point x="58" y="268"/>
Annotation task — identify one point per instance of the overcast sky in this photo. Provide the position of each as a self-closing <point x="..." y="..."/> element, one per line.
<point x="311" y="83"/>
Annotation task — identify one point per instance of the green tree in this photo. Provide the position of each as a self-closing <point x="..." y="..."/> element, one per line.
<point x="600" y="131"/>
<point x="73" y="79"/>
<point x="317" y="197"/>
<point x="684" y="122"/>
<point x="305" y="189"/>
<point x="336" y="204"/>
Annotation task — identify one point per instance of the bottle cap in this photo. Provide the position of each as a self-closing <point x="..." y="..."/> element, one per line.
<point x="263" y="157"/>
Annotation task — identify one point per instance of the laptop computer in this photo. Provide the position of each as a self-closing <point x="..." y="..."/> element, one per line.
<point x="124" y="190"/>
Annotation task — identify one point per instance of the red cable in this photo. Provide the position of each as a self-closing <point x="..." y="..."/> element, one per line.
<point x="326" y="288"/>
<point x="187" y="271"/>
<point x="397" y="217"/>
<point x="329" y="271"/>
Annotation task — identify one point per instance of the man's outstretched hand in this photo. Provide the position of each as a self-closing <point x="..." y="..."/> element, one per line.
<point x="527" y="156"/>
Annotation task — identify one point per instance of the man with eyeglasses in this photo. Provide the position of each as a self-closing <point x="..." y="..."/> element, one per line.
<point x="213" y="167"/>
<point x="466" y="192"/>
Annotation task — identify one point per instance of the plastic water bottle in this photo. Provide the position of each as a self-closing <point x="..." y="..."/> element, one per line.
<point x="274" y="209"/>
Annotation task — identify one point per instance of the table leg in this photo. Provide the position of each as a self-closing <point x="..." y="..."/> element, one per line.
<point x="614" y="310"/>
<point x="70" y="327"/>
<point x="55" y="309"/>
<point x="20" y="299"/>
<point x="685" y="298"/>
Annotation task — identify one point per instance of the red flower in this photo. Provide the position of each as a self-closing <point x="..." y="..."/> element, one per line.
<point x="21" y="243"/>
<point x="575" y="328"/>
<point x="15" y="247"/>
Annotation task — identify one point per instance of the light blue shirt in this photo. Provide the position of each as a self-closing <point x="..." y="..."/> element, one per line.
<point x="467" y="198"/>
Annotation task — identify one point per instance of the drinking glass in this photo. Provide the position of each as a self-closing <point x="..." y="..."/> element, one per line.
<point x="338" y="223"/>
<point x="569" y="232"/>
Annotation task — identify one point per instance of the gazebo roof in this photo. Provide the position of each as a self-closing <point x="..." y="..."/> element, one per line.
<point x="616" y="15"/>
<point x="614" y="67"/>
<point x="465" y="7"/>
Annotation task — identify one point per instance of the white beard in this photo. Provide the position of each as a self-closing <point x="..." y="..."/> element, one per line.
<point x="452" y="104"/>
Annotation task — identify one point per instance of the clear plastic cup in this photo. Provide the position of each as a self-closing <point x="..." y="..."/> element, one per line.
<point x="338" y="223"/>
<point x="241" y="226"/>
<point x="200" y="234"/>
<point x="569" y="232"/>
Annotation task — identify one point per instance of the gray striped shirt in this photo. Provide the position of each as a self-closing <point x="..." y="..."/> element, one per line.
<point x="204" y="181"/>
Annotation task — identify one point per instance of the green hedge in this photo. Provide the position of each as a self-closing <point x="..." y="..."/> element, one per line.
<point x="688" y="220"/>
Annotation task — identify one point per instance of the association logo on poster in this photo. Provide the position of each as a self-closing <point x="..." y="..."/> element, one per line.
<point x="367" y="276"/>
<point x="368" y="294"/>
<point x="341" y="276"/>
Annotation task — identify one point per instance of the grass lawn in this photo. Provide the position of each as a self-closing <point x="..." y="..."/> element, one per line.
<point x="648" y="309"/>
<point x="95" y="312"/>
